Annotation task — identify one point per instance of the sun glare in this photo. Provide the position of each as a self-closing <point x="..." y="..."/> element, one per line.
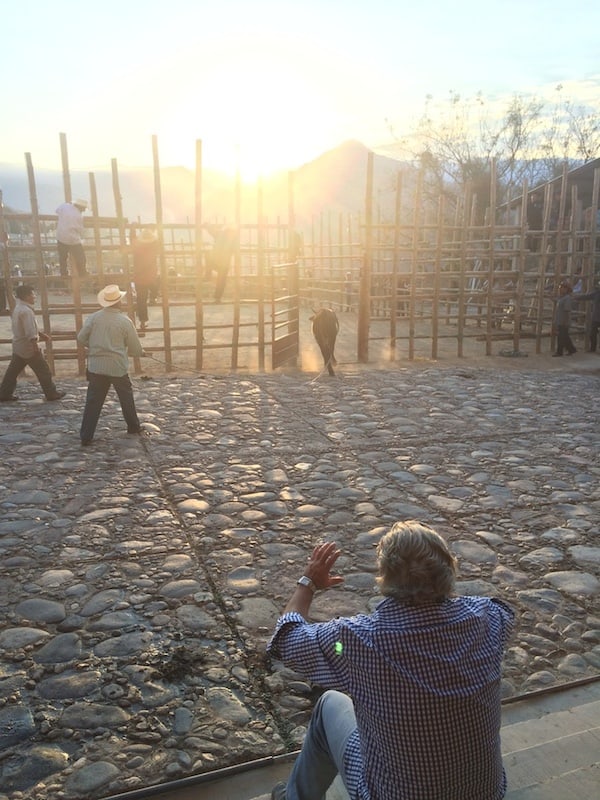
<point x="251" y="119"/>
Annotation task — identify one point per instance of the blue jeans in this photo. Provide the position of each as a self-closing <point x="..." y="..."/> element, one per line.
<point x="98" y="386"/>
<point x="322" y="756"/>
<point x="17" y="364"/>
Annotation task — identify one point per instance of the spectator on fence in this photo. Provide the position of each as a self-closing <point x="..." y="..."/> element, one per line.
<point x="69" y="236"/>
<point x="413" y="701"/>
<point x="594" y="296"/>
<point x="220" y="257"/>
<point x="25" y="348"/>
<point x="535" y="220"/>
<point x="562" y="320"/>
<point x="110" y="338"/>
<point x="144" y="249"/>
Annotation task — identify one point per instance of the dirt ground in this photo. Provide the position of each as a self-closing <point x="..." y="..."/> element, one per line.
<point x="219" y="320"/>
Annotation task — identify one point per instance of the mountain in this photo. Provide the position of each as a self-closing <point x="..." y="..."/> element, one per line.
<point x="334" y="182"/>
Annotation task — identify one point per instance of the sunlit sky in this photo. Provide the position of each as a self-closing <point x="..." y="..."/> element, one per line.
<point x="267" y="84"/>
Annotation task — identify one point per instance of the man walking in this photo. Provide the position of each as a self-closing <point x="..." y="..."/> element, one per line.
<point x="69" y="236"/>
<point x="594" y="296"/>
<point x="26" y="349"/>
<point x="413" y="707"/>
<point x="110" y="338"/>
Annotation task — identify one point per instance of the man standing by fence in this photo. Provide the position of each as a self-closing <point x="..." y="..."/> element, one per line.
<point x="110" y="338"/>
<point x="26" y="349"/>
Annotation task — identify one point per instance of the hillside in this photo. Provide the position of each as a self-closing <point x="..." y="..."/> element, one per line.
<point x="335" y="181"/>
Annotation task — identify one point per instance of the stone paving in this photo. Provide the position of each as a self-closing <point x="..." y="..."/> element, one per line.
<point x="141" y="576"/>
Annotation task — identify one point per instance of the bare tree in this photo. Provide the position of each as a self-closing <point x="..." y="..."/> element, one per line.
<point x="457" y="142"/>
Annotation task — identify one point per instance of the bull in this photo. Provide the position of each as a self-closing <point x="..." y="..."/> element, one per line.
<point x="325" y="327"/>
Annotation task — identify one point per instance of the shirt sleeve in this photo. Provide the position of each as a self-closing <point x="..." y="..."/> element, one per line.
<point x="134" y="346"/>
<point x="506" y="616"/>
<point x="312" y="649"/>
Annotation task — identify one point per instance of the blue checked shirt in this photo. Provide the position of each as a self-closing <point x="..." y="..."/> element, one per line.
<point x="425" y="682"/>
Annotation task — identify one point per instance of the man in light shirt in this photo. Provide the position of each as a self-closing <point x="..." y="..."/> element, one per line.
<point x="110" y="338"/>
<point x="26" y="349"/>
<point x="69" y="236"/>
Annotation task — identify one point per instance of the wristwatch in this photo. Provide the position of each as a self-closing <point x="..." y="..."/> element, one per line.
<point x="304" y="581"/>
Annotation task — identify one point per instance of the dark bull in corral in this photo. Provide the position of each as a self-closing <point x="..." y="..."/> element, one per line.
<point x="325" y="327"/>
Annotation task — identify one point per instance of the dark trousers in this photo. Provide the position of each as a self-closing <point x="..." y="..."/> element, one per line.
<point x="564" y="340"/>
<point x="98" y="386"/>
<point x="143" y="295"/>
<point x="77" y="255"/>
<point x="17" y="364"/>
<point x="222" y="271"/>
<point x="594" y="336"/>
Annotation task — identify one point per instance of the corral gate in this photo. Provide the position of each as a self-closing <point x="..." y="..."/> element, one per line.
<point x="285" y="315"/>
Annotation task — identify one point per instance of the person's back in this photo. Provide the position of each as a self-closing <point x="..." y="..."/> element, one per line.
<point x="428" y="706"/>
<point x="413" y="707"/>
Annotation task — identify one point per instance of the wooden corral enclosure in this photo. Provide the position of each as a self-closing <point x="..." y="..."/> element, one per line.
<point x="425" y="279"/>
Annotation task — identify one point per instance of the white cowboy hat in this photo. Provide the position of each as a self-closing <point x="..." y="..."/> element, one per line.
<point x="147" y="235"/>
<point x="83" y="204"/>
<point x="110" y="295"/>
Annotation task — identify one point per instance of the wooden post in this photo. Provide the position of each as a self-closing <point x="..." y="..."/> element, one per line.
<point x="437" y="278"/>
<point x="237" y="270"/>
<point x="97" y="236"/>
<point x="461" y="310"/>
<point x="163" y="265"/>
<point x="395" y="264"/>
<point x="261" y="277"/>
<point x="127" y="277"/>
<point x="414" y="264"/>
<point x="491" y="228"/>
<point x="364" y="300"/>
<point x="10" y="299"/>
<point x="199" y="310"/>
<point x="37" y="241"/>
<point x="64" y="154"/>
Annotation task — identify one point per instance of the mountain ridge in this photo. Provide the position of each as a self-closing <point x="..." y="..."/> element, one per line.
<point x="334" y="181"/>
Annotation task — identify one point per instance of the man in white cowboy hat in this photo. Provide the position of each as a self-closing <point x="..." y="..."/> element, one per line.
<point x="110" y="338"/>
<point x="69" y="236"/>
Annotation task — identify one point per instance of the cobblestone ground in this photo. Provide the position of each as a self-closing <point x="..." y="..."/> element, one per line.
<point x="142" y="575"/>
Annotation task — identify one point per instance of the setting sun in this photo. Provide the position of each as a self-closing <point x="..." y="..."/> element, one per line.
<point x="258" y="116"/>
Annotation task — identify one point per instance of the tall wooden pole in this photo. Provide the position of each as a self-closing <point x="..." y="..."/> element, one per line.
<point x="163" y="265"/>
<point x="199" y="259"/>
<point x="364" y="300"/>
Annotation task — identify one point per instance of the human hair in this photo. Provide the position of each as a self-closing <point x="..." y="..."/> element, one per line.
<point x="415" y="564"/>
<point x="23" y="289"/>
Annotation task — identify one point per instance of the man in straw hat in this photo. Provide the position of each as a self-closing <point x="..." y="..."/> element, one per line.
<point x="69" y="236"/>
<point x="110" y="338"/>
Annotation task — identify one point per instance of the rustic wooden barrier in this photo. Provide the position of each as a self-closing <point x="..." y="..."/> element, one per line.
<point x="427" y="275"/>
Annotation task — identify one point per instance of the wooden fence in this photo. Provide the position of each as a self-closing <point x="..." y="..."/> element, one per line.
<point x="427" y="276"/>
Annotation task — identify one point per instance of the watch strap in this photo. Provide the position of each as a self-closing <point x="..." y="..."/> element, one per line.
<point x="308" y="582"/>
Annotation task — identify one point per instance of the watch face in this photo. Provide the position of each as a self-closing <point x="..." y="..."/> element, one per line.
<point x="304" y="581"/>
